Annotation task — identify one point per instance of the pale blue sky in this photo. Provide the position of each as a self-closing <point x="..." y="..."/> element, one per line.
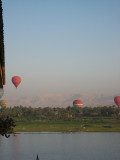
<point x="62" y="46"/>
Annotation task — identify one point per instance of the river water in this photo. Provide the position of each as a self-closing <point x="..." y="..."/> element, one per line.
<point x="61" y="146"/>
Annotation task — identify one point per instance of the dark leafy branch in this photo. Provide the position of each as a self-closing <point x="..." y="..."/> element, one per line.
<point x="6" y="126"/>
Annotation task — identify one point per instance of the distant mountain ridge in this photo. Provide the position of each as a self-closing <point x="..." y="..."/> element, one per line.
<point x="61" y="100"/>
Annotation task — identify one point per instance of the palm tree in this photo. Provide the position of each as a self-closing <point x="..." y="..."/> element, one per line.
<point x="2" y="57"/>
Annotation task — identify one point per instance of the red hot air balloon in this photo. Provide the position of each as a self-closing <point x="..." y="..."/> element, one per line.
<point x="117" y="100"/>
<point x="16" y="80"/>
<point x="77" y="102"/>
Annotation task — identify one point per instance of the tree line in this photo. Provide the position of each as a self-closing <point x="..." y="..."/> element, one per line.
<point x="23" y="113"/>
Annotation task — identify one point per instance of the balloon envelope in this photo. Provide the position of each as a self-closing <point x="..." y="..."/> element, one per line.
<point x="77" y="102"/>
<point x="117" y="100"/>
<point x="3" y="103"/>
<point x="16" y="80"/>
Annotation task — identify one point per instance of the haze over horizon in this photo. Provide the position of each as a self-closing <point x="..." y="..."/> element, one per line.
<point x="61" y="100"/>
<point x="62" y="48"/>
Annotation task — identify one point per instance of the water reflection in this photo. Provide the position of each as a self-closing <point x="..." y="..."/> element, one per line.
<point x="61" y="146"/>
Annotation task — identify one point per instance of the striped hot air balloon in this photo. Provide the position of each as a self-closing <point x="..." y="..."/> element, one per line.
<point x="117" y="100"/>
<point x="77" y="102"/>
<point x="3" y="103"/>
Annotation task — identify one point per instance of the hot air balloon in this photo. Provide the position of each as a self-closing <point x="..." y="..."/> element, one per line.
<point x="77" y="103"/>
<point x="16" y="80"/>
<point x="3" y="103"/>
<point x="117" y="100"/>
<point x="1" y="92"/>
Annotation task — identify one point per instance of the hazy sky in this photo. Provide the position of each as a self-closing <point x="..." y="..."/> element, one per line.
<point x="62" y="46"/>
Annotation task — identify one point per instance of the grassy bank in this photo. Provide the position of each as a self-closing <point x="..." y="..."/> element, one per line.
<point x="86" y="125"/>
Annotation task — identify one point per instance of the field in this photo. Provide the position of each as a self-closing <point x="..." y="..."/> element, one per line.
<point x="85" y="125"/>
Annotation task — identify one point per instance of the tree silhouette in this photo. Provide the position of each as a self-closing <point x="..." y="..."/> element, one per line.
<point x="6" y="126"/>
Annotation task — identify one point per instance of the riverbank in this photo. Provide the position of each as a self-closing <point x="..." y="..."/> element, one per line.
<point x="104" y="125"/>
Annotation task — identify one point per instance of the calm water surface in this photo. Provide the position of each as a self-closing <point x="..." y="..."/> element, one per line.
<point x="61" y="146"/>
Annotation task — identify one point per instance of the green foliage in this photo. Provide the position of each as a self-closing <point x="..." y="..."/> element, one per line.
<point x="86" y="124"/>
<point x="20" y="113"/>
<point x="70" y="119"/>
